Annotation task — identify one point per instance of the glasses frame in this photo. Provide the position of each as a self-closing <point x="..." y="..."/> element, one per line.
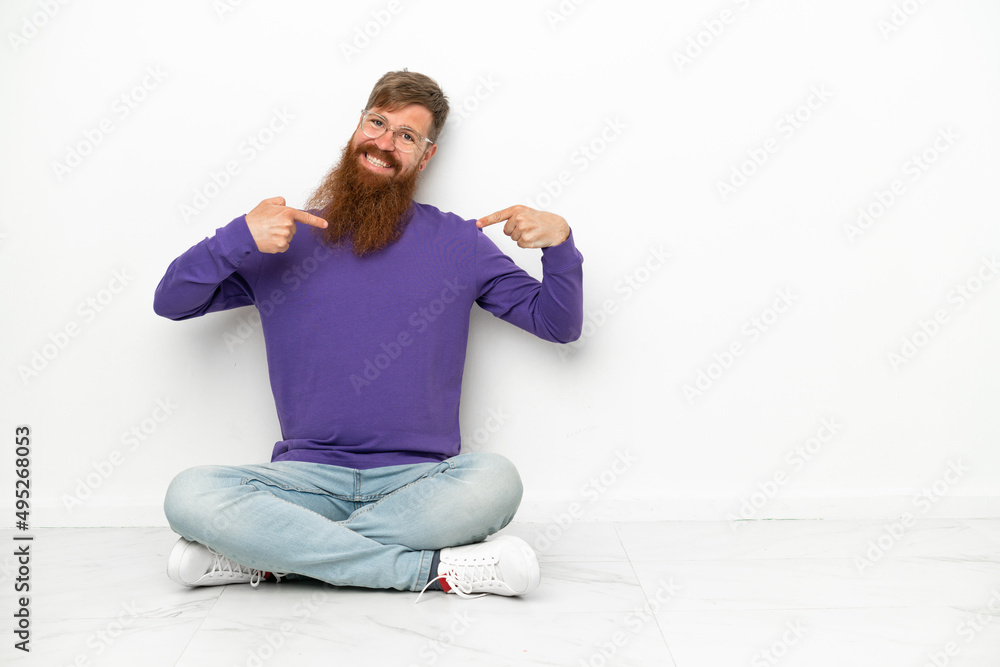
<point x="365" y="113"/>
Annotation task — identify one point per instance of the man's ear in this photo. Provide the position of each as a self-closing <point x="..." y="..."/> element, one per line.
<point x="427" y="156"/>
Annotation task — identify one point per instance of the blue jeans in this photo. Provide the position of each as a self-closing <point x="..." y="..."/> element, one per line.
<point x="376" y="528"/>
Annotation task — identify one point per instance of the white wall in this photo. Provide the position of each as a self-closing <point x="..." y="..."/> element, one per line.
<point x="531" y="83"/>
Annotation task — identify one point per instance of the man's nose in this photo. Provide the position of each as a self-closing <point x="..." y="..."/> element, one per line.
<point x="386" y="142"/>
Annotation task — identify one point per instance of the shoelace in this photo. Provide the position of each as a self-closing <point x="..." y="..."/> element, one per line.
<point x="463" y="579"/>
<point x="224" y="565"/>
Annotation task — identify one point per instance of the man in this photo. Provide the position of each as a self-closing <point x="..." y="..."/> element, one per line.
<point x="365" y="305"/>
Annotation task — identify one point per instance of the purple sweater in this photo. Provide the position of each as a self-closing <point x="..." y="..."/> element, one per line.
<point x="366" y="354"/>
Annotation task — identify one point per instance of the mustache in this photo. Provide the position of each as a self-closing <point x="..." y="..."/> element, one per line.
<point x="378" y="153"/>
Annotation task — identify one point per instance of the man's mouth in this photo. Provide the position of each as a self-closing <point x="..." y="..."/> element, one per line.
<point x="375" y="162"/>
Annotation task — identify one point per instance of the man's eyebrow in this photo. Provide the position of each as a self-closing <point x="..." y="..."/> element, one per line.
<point x="399" y="127"/>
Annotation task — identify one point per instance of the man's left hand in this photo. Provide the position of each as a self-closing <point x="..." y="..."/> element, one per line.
<point x="530" y="228"/>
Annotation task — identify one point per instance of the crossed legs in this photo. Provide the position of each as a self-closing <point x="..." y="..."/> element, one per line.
<point x="376" y="528"/>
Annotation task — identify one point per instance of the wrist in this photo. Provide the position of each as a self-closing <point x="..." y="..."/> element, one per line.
<point x="563" y="238"/>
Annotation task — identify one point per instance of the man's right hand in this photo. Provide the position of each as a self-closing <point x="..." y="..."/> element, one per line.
<point x="272" y="224"/>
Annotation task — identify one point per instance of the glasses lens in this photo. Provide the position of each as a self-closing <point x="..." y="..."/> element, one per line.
<point x="373" y="126"/>
<point x="405" y="141"/>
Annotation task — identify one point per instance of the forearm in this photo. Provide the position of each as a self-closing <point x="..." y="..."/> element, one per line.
<point x="205" y="279"/>
<point x="551" y="309"/>
<point x="559" y="308"/>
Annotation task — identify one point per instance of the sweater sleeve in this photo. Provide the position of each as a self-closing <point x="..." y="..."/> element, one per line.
<point x="551" y="309"/>
<point x="210" y="276"/>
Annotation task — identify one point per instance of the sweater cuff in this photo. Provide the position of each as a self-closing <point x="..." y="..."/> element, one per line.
<point x="235" y="240"/>
<point x="561" y="257"/>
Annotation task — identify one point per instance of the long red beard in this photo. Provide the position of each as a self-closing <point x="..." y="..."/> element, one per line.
<point x="367" y="209"/>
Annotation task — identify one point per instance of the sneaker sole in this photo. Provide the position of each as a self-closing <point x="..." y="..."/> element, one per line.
<point x="174" y="562"/>
<point x="176" y="559"/>
<point x="534" y="576"/>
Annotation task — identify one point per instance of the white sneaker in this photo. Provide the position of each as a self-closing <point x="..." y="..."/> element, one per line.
<point x="505" y="565"/>
<point x="194" y="564"/>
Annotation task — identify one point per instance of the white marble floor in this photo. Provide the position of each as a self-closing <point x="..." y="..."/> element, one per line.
<point x="684" y="594"/>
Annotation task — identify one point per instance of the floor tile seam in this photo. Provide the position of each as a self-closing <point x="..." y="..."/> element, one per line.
<point x="818" y="520"/>
<point x="201" y="623"/>
<point x="837" y="608"/>
<point x="140" y="619"/>
<point x="645" y="596"/>
<point x="951" y="558"/>
<point x="542" y="611"/>
<point x="543" y="561"/>
<point x="971" y="525"/>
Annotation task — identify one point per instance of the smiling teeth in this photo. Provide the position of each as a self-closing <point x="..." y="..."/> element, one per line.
<point x="376" y="161"/>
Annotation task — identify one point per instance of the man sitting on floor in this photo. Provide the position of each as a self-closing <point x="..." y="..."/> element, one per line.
<point x="365" y="304"/>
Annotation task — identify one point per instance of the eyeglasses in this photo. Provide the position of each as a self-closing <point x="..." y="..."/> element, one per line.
<point x="405" y="139"/>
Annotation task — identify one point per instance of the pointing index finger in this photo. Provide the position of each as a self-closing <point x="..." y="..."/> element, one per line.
<point x="494" y="218"/>
<point x="308" y="218"/>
